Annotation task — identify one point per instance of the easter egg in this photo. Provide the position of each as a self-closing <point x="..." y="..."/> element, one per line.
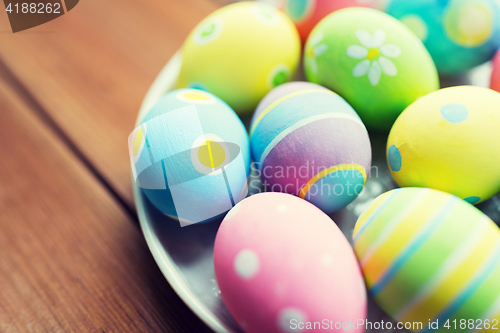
<point x="459" y="34"/>
<point x="309" y="142"/>
<point x="282" y="264"/>
<point x="448" y="140"/>
<point x="429" y="257"/>
<point x="239" y="53"/>
<point x="191" y="156"/>
<point x="372" y="60"/>
<point x="495" y="75"/>
<point x="307" y="13"/>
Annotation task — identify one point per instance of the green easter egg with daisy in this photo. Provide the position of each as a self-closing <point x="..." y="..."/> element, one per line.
<point x="372" y="60"/>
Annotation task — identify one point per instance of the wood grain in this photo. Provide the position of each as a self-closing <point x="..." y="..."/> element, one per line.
<point x="70" y="258"/>
<point x="90" y="69"/>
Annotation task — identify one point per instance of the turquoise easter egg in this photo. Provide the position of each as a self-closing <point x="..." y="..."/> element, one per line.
<point x="191" y="156"/>
<point x="459" y="34"/>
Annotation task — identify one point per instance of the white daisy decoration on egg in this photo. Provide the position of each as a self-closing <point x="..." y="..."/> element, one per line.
<point x="375" y="55"/>
<point x="314" y="50"/>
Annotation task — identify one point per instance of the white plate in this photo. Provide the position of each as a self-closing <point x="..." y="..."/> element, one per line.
<point x="185" y="255"/>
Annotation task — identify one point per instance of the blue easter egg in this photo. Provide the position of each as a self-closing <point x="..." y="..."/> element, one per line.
<point x="459" y="34"/>
<point x="191" y="156"/>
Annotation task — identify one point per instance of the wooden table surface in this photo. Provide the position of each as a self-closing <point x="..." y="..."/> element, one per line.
<point x="72" y="257"/>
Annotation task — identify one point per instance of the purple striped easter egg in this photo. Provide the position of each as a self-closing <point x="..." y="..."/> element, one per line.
<point x="310" y="142"/>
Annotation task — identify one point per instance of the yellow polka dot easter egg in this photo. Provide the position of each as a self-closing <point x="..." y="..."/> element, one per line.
<point x="449" y="141"/>
<point x="239" y="53"/>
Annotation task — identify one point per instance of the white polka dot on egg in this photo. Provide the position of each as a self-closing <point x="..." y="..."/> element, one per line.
<point x="266" y="14"/>
<point x="285" y="317"/>
<point x="326" y="260"/>
<point x="246" y="264"/>
<point x="282" y="208"/>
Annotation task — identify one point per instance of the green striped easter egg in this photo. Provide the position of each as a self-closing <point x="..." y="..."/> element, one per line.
<point x="429" y="256"/>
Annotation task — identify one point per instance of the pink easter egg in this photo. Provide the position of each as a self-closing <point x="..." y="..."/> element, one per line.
<point x="495" y="75"/>
<point x="282" y="265"/>
<point x="307" y="13"/>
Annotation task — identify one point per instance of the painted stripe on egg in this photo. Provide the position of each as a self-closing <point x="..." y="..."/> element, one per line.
<point x="486" y="269"/>
<point x="447" y="270"/>
<point x="450" y="269"/>
<point x="401" y="237"/>
<point x="493" y="312"/>
<point x="373" y="205"/>
<point x="481" y="276"/>
<point x="414" y="246"/>
<point x="450" y="286"/>
<point x="488" y="291"/>
<point x="384" y="202"/>
<point x="295" y="109"/>
<point x="340" y="167"/>
<point x="300" y="124"/>
<point x="392" y="225"/>
<point x="273" y="105"/>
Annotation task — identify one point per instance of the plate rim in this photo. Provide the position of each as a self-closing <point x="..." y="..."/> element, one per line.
<point x="164" y="82"/>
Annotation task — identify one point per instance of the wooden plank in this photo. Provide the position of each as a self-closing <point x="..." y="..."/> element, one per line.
<point x="70" y="258"/>
<point x="91" y="68"/>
